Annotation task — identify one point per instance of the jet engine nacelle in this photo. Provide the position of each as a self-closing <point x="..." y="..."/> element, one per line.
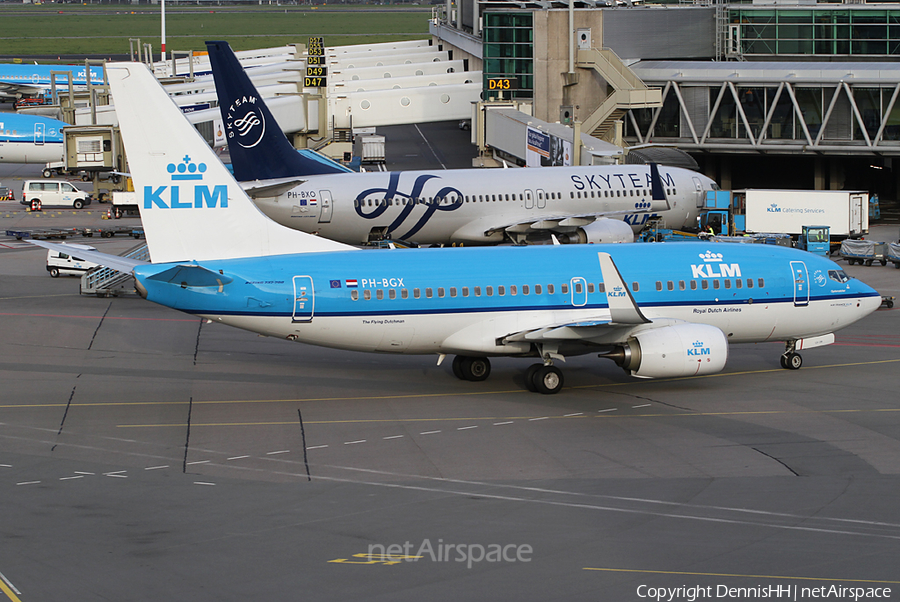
<point x="673" y="351"/>
<point x="603" y="230"/>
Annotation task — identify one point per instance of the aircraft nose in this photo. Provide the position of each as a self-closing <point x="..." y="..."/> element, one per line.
<point x="869" y="299"/>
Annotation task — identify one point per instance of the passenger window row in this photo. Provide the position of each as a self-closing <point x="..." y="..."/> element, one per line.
<point x="704" y="284"/>
<point x="643" y="192"/>
<point x="450" y="199"/>
<point x="525" y="289"/>
<point x="475" y="291"/>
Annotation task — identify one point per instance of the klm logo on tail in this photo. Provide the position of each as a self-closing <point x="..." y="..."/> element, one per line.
<point x="172" y="197"/>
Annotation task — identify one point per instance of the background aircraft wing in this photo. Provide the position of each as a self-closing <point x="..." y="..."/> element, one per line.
<point x="564" y="222"/>
<point x="13" y="89"/>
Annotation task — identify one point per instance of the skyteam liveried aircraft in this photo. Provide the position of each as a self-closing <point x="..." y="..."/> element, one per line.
<point x="656" y="310"/>
<point x="469" y="206"/>
<point x="30" y="138"/>
<point x="17" y="81"/>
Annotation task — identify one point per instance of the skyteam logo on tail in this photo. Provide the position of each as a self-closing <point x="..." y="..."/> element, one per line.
<point x="170" y="197"/>
<point x="245" y="122"/>
<point x="714" y="267"/>
<point x="697" y="348"/>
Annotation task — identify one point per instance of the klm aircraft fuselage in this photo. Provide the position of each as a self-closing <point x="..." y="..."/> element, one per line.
<point x="478" y="206"/>
<point x="30" y="138"/>
<point x="468" y="301"/>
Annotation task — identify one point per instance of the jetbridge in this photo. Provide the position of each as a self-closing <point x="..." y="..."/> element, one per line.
<point x="392" y="83"/>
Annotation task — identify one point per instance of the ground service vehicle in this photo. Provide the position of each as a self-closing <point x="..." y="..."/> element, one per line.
<point x="59" y="262"/>
<point x="786" y="211"/>
<point x="46" y="194"/>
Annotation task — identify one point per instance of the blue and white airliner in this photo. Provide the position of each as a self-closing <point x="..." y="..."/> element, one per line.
<point x="30" y="138"/>
<point x="17" y="81"/>
<point x="596" y="204"/>
<point x="655" y="310"/>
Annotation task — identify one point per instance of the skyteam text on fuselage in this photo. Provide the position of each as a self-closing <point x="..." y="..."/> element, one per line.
<point x="656" y="311"/>
<point x="470" y="206"/>
<point x="30" y="138"/>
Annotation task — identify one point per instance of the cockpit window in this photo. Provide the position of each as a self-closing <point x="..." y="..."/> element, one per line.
<point x="838" y="276"/>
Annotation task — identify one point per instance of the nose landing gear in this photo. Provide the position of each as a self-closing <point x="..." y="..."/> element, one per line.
<point x="790" y="359"/>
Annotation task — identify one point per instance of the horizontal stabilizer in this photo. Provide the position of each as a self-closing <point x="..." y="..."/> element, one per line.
<point x="256" y="190"/>
<point x="191" y="275"/>
<point x="116" y="262"/>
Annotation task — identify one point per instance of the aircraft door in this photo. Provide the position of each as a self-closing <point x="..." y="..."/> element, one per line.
<point x="698" y="187"/>
<point x="39" y="134"/>
<point x="578" y="288"/>
<point x="800" y="278"/>
<point x="325" y="209"/>
<point x="304" y="300"/>
<point x="529" y="199"/>
<point x="856" y="212"/>
<point x="541" y="199"/>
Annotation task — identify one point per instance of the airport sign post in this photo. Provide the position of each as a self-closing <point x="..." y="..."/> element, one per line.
<point x="316" y="71"/>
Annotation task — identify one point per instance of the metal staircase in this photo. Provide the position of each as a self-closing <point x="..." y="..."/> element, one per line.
<point x="106" y="282"/>
<point x="628" y="91"/>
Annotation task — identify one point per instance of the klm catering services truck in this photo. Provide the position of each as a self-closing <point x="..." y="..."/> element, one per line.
<point x="752" y="211"/>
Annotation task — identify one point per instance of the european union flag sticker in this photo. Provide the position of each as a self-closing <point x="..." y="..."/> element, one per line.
<point x="335" y="284"/>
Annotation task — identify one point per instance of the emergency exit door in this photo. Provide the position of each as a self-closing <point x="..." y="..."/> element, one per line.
<point x="325" y="209"/>
<point x="304" y="299"/>
<point x="801" y="283"/>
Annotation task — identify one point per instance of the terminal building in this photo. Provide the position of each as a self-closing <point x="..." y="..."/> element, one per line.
<point x="773" y="94"/>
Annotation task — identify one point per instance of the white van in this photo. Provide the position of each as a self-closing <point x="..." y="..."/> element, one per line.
<point x="44" y="194"/>
<point x="65" y="263"/>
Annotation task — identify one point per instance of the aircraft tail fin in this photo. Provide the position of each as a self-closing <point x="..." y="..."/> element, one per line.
<point x="657" y="193"/>
<point x="259" y="149"/>
<point x="191" y="206"/>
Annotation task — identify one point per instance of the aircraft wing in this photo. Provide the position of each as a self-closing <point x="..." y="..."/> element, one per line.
<point x="270" y="188"/>
<point x="116" y="262"/>
<point x="623" y="317"/>
<point x="13" y="89"/>
<point x="562" y="222"/>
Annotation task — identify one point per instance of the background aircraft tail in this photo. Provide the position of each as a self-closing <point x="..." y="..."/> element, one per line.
<point x="191" y="206"/>
<point x="258" y="148"/>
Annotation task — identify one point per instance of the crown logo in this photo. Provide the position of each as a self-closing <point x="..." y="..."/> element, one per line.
<point x="710" y="256"/>
<point x="186" y="170"/>
<point x="642" y="205"/>
<point x="697" y="344"/>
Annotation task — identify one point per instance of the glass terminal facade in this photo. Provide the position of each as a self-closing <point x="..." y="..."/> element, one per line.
<point x="508" y="51"/>
<point x="823" y="31"/>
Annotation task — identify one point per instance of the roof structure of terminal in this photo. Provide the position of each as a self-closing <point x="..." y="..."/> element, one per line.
<point x="768" y="72"/>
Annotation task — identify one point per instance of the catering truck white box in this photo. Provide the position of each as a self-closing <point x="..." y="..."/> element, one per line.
<point x="754" y="211"/>
<point x="787" y="211"/>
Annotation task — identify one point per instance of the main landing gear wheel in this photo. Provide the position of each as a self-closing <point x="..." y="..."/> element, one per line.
<point x="457" y="367"/>
<point x="791" y="361"/>
<point x="475" y="369"/>
<point x="547" y="380"/>
<point x="529" y="377"/>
